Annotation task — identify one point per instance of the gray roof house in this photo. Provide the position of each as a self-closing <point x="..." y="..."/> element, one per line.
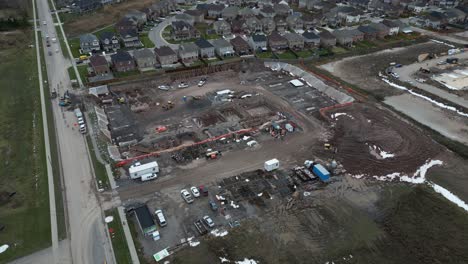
<point x="197" y="15"/>
<point x="393" y="27"/>
<point x="109" y="41"/>
<point x="295" y="22"/>
<point x="130" y="38"/>
<point x="223" y="48"/>
<point x="140" y="17"/>
<point x="214" y="10"/>
<point x="268" y="25"/>
<point x="258" y="42"/>
<point x="246" y="12"/>
<point x="311" y="39"/>
<point x="89" y="43"/>
<point x="268" y="11"/>
<point x="165" y="56"/>
<point x="327" y="39"/>
<point x="188" y="53"/>
<point x="221" y="27"/>
<point x="186" y="18"/>
<point x="282" y="9"/>
<point x="347" y="37"/>
<point x="206" y="49"/>
<point x="230" y="12"/>
<point x="281" y="24"/>
<point x="295" y="41"/>
<point x="370" y="33"/>
<point x="144" y="58"/>
<point x="252" y="25"/>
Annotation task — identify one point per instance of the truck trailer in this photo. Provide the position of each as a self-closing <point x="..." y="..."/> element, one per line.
<point x="321" y="172"/>
<point x="143" y="171"/>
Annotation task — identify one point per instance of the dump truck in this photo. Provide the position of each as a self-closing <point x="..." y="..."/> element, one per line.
<point x="321" y="172"/>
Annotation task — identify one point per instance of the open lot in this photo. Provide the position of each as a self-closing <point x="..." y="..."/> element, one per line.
<point x="24" y="205"/>
<point x="292" y="219"/>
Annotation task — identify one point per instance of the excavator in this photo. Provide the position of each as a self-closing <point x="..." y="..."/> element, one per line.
<point x="169" y="105"/>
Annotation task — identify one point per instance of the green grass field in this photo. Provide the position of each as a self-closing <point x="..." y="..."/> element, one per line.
<point x="119" y="243"/>
<point x="286" y="55"/>
<point x="146" y="41"/>
<point x="25" y="214"/>
<point x="74" y="47"/>
<point x="264" y="55"/>
<point x="99" y="168"/>
<point x="304" y="53"/>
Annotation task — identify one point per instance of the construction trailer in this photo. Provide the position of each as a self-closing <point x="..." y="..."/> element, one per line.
<point x="144" y="171"/>
<point x="321" y="172"/>
<point x="145" y="220"/>
<point x="271" y="165"/>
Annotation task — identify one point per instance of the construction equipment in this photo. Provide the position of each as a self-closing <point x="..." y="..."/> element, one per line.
<point x="327" y="146"/>
<point x="213" y="154"/>
<point x="168" y="106"/>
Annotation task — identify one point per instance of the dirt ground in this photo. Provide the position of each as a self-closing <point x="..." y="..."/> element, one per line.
<point x="363" y="70"/>
<point x="105" y="16"/>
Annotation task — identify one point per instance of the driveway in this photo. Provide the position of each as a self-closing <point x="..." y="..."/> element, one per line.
<point x="155" y="34"/>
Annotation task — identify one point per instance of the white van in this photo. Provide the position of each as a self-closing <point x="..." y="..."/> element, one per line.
<point x="160" y="217"/>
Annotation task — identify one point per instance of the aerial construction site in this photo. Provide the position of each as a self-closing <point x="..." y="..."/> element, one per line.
<point x="210" y="163"/>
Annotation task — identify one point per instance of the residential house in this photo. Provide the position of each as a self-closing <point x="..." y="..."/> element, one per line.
<point x="122" y="61"/>
<point x="109" y="41"/>
<point x="417" y="7"/>
<point x="240" y="46"/>
<point x="268" y="11"/>
<point x="188" y="52"/>
<point x="185" y="2"/>
<point x="382" y="30"/>
<point x="161" y="9"/>
<point x="370" y="33"/>
<point x="237" y="26"/>
<point x="445" y="3"/>
<point x="435" y="20"/>
<point x="130" y="38"/>
<point x="125" y="24"/>
<point x="295" y="22"/>
<point x="165" y="56"/>
<point x="258" y="42"/>
<point x="234" y="2"/>
<point x="214" y="10"/>
<point x="223" y="48"/>
<point x="361" y="4"/>
<point x="310" y="21"/>
<point x="246" y="12"/>
<point x="99" y="65"/>
<point x="295" y="41"/>
<point x="221" y="27"/>
<point x="346" y="37"/>
<point x="311" y="39"/>
<point x="89" y="43"/>
<point x="327" y="39"/>
<point x="185" y="18"/>
<point x="343" y="15"/>
<point x="206" y="49"/>
<point x="268" y="25"/>
<point x="81" y="6"/>
<point x="197" y="15"/>
<point x="252" y="25"/>
<point x="282" y="9"/>
<point x="144" y="58"/>
<point x="393" y="27"/>
<point x="281" y="24"/>
<point x="181" y="30"/>
<point x="230" y="13"/>
<point x="139" y="17"/>
<point x="455" y="15"/>
<point x="276" y="42"/>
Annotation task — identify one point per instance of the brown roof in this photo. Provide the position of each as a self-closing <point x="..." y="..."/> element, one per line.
<point x="97" y="60"/>
<point x="239" y="42"/>
<point x="164" y="51"/>
<point x="275" y="36"/>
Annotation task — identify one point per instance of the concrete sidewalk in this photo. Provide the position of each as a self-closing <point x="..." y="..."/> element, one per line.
<point x="128" y="236"/>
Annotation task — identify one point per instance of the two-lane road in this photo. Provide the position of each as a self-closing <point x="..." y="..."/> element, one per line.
<point x="89" y="241"/>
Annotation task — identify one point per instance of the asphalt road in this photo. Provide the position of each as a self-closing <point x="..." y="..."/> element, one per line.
<point x="89" y="242"/>
<point x="406" y="74"/>
<point x="155" y="34"/>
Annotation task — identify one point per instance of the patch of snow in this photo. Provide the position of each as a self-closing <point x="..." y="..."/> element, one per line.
<point x="439" y="104"/>
<point x="246" y="261"/>
<point x="385" y="155"/>
<point x="223" y="259"/>
<point x="449" y="196"/>
<point x="235" y="206"/>
<point x="368" y="121"/>
<point x="247" y="180"/>
<point x="109" y="219"/>
<point x="260" y="194"/>
<point x="307" y="193"/>
<point x="3" y="248"/>
<point x="192" y="242"/>
<point x="388" y="177"/>
<point x="358" y="176"/>
<point x="220" y="197"/>
<point x="218" y="233"/>
<point x="420" y="175"/>
<point x="441" y="42"/>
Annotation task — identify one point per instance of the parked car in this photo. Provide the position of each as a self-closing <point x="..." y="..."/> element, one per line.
<point x="160" y="217"/>
<point x="186" y="195"/>
<point x="233" y="224"/>
<point x="164" y="87"/>
<point x="195" y="191"/>
<point x="203" y="190"/>
<point x="213" y="205"/>
<point x="183" y="85"/>
<point x="201" y="83"/>
<point x="208" y="221"/>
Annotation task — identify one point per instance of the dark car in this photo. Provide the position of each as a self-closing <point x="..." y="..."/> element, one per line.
<point x="203" y="190"/>
<point x="213" y="205"/>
